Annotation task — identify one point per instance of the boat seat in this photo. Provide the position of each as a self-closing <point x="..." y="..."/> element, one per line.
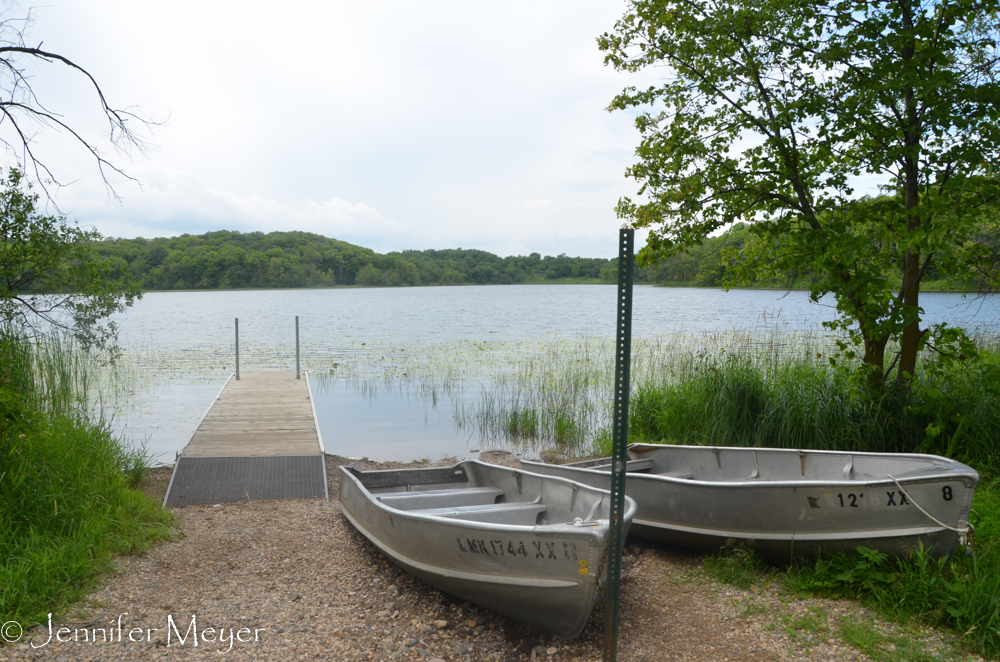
<point x="472" y="496"/>
<point x="677" y="474"/>
<point x="518" y="513"/>
<point x="634" y="466"/>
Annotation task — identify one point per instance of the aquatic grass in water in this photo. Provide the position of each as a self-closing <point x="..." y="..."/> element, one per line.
<point x="544" y="394"/>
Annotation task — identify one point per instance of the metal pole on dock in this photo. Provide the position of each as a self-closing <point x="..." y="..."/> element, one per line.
<point x="619" y="447"/>
<point x="237" y="348"/>
<point x="297" y="376"/>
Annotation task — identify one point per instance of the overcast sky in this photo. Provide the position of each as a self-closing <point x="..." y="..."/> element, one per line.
<point x="393" y="125"/>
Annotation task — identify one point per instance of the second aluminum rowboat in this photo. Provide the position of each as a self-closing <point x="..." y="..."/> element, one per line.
<point x="527" y="546"/>
<point x="790" y="502"/>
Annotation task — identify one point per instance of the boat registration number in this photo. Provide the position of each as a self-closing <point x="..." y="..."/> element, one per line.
<point x="883" y="498"/>
<point x="537" y="549"/>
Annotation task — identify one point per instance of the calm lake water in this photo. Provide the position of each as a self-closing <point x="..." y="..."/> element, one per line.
<point x="365" y="346"/>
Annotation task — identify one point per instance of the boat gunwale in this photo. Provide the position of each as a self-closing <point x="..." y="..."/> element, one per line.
<point x="769" y="449"/>
<point x="562" y="528"/>
<point x="958" y="470"/>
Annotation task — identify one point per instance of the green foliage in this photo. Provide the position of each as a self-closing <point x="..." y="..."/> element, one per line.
<point x="50" y="275"/>
<point x="769" y="113"/>
<point x="299" y="259"/>
<point x="887" y="647"/>
<point x="960" y="595"/>
<point x="523" y="424"/>
<point x="985" y="515"/>
<point x="806" y="629"/>
<point x="66" y="506"/>
<point x="952" y="409"/>
<point x="737" y="564"/>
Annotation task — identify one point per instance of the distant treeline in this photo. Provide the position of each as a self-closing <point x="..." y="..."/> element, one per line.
<point x="300" y="259"/>
<point x="227" y="259"/>
<point x="705" y="266"/>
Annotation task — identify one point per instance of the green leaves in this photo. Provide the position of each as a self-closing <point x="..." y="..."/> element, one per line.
<point x="771" y="111"/>
<point x="50" y="275"/>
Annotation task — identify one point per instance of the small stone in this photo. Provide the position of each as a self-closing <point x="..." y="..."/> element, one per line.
<point x="551" y="650"/>
<point x="435" y="659"/>
<point x="463" y="649"/>
<point x="440" y="625"/>
<point x="480" y="629"/>
<point x="382" y="614"/>
<point x="426" y="628"/>
<point x="470" y="624"/>
<point x="388" y="646"/>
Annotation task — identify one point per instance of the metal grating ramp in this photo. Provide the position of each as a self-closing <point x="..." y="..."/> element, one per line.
<point x="200" y="481"/>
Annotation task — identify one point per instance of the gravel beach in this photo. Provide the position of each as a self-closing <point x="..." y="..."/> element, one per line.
<point x="292" y="580"/>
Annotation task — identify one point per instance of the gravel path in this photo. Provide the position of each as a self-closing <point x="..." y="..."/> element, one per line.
<point x="292" y="580"/>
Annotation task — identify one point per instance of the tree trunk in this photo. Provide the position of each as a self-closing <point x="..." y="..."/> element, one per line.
<point x="909" y="345"/>
<point x="874" y="359"/>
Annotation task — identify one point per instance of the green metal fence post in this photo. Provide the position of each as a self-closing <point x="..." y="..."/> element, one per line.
<point x="619" y="452"/>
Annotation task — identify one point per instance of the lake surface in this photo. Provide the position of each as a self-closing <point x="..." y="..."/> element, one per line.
<point x="368" y="349"/>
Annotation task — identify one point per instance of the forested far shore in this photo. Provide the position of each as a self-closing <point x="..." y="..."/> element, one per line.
<point x="228" y="260"/>
<point x="235" y="260"/>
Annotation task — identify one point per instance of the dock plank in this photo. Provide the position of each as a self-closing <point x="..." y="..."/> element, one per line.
<point x="261" y="414"/>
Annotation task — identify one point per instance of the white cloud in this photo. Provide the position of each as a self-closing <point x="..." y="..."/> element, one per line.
<point x="173" y="203"/>
<point x="391" y="124"/>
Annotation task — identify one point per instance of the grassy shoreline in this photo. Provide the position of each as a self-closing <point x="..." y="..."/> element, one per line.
<point x="69" y="501"/>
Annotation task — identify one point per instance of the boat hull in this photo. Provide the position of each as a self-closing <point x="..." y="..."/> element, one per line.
<point x="544" y="574"/>
<point x="788" y="503"/>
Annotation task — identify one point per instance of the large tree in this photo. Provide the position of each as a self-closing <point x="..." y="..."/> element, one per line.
<point x="770" y="111"/>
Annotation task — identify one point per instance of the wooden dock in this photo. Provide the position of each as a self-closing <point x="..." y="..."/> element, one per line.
<point x="259" y="440"/>
<point x="262" y="413"/>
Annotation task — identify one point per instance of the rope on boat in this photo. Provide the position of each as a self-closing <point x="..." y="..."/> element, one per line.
<point x="963" y="533"/>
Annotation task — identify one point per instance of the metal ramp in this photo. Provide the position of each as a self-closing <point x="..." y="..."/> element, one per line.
<point x="199" y="481"/>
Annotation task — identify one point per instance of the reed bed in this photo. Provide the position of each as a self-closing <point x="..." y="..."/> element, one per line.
<point x="546" y="394"/>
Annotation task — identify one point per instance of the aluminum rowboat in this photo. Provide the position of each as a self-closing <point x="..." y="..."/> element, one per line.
<point x="790" y="502"/>
<point x="527" y="546"/>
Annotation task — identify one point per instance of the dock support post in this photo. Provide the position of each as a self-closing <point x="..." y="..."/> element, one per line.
<point x="237" y="348"/>
<point x="297" y="375"/>
<point x="619" y="443"/>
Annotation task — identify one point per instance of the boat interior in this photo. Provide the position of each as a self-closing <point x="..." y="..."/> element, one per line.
<point x="481" y="493"/>
<point x="725" y="464"/>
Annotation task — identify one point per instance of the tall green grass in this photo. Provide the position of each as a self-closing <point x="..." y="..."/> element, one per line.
<point x="951" y="409"/>
<point x="68" y="502"/>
